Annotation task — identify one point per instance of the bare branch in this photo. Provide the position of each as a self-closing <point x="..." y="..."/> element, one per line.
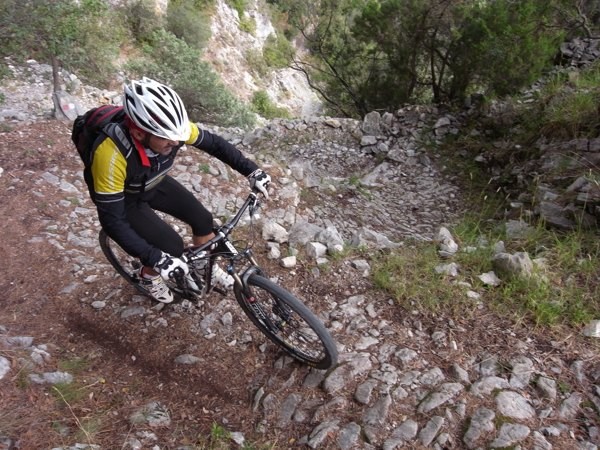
<point x="299" y="66"/>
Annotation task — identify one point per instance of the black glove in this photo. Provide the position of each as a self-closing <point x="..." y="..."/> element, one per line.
<point x="260" y="181"/>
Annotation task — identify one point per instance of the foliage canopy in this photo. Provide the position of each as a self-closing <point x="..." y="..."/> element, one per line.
<point x="63" y="33"/>
<point x="364" y="55"/>
<point x="379" y="54"/>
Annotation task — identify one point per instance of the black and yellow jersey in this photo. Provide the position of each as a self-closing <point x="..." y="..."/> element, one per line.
<point x="123" y="170"/>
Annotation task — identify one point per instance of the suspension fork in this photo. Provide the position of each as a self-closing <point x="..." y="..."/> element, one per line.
<point x="279" y="308"/>
<point x="242" y="280"/>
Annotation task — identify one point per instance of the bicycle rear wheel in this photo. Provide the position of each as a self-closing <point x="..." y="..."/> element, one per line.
<point x="127" y="266"/>
<point x="287" y="322"/>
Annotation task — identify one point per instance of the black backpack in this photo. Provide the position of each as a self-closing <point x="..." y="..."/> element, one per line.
<point x="88" y="127"/>
<point x="86" y="130"/>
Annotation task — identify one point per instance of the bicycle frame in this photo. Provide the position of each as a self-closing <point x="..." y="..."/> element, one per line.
<point x="221" y="247"/>
<point x="276" y="312"/>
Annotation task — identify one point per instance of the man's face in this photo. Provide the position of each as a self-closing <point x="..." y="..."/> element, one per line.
<point x="161" y="145"/>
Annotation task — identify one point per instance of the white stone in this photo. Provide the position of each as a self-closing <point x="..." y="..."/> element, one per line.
<point x="4" y="366"/>
<point x="288" y="262"/>
<point x="592" y="329"/>
<point x="490" y="279"/>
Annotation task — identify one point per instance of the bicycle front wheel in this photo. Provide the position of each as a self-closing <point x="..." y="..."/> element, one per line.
<point x="287" y="322"/>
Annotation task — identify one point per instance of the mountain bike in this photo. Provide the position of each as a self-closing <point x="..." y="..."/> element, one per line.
<point x="276" y="312"/>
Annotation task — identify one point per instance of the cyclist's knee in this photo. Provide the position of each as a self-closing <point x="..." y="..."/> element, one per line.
<point x="173" y="246"/>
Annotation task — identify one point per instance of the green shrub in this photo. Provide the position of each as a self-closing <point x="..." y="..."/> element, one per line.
<point x="248" y="24"/>
<point x="238" y="5"/>
<point x="262" y="104"/>
<point x="563" y="290"/>
<point x="408" y="275"/>
<point x="173" y="62"/>
<point x="189" y="22"/>
<point x="4" y="73"/>
<point x="278" y="52"/>
<point x="571" y="107"/>
<point x="283" y="18"/>
<point x="572" y="114"/>
<point x="256" y="62"/>
<point x="72" y="33"/>
<point x="94" y="58"/>
<point x="4" y="70"/>
<point x="142" y="19"/>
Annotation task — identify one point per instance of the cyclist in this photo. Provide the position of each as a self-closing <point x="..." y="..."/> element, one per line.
<point x="128" y="190"/>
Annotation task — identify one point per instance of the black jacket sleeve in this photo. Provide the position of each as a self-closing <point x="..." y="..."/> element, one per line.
<point x="109" y="169"/>
<point x="113" y="219"/>
<point x="218" y="147"/>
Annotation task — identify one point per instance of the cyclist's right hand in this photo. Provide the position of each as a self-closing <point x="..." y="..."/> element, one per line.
<point x="168" y="266"/>
<point x="259" y="182"/>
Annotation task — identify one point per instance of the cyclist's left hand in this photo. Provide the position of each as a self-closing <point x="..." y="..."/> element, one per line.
<point x="168" y="265"/>
<point x="260" y="181"/>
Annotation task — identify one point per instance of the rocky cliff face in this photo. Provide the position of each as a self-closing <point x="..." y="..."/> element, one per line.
<point x="227" y="52"/>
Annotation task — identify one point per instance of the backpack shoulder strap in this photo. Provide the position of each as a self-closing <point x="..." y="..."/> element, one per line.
<point x="115" y="131"/>
<point x="103" y="112"/>
<point x="127" y="146"/>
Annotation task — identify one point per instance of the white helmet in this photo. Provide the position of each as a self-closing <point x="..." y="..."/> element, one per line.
<point x="157" y="109"/>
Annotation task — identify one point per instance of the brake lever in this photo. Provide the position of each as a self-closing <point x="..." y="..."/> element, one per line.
<point x="254" y="206"/>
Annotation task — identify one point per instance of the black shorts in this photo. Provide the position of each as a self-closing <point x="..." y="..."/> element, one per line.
<point x="175" y="200"/>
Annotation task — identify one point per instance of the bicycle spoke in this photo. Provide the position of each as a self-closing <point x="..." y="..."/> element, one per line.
<point x="287" y="322"/>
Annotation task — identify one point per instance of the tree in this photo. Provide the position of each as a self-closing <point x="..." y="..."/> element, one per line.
<point x="60" y="33"/>
<point x="335" y="66"/>
<point x="189" y="21"/>
<point x="397" y="33"/>
<point x="379" y="54"/>
<point x="503" y="46"/>
<point x="580" y="16"/>
<point x="142" y="19"/>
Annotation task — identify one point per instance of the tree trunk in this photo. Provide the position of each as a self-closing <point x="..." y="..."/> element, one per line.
<point x="55" y="75"/>
<point x="57" y="93"/>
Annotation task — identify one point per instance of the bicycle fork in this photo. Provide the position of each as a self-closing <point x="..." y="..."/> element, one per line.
<point x="278" y="309"/>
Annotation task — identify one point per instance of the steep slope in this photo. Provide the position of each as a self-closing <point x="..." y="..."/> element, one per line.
<point x="229" y="49"/>
<point x="85" y="360"/>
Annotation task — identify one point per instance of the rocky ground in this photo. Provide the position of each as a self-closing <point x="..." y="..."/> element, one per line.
<point x="86" y="361"/>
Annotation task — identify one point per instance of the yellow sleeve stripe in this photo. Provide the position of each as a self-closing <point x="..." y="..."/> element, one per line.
<point x="109" y="168"/>
<point x="194" y="134"/>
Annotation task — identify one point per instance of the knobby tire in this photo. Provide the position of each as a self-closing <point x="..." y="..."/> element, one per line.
<point x="301" y="334"/>
<point x="127" y="266"/>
